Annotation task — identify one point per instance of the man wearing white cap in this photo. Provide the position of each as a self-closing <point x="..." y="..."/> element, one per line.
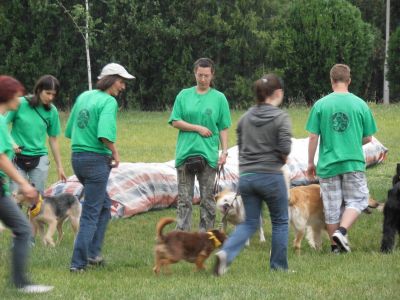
<point x="92" y="130"/>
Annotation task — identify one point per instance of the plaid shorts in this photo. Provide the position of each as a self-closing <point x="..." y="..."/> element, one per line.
<point x="349" y="189"/>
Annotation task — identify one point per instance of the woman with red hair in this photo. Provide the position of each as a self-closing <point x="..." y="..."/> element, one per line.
<point x="10" y="214"/>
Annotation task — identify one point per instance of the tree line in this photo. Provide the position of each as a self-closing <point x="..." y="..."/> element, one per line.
<point x="158" y="41"/>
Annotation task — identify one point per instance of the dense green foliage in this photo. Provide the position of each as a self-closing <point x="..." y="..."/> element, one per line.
<point x="394" y="64"/>
<point x="158" y="40"/>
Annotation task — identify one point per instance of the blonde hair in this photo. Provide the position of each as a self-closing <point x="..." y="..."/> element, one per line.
<point x="340" y="73"/>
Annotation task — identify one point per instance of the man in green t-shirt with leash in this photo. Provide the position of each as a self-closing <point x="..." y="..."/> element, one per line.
<point x="201" y="113"/>
<point x="343" y="123"/>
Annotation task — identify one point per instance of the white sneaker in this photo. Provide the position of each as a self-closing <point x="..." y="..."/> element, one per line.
<point x="341" y="241"/>
<point x="220" y="267"/>
<point x="35" y="289"/>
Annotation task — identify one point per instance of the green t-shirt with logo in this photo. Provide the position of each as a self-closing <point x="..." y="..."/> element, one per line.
<point x="93" y="116"/>
<point x="341" y="120"/>
<point x="6" y="147"/>
<point x="29" y="129"/>
<point x="210" y="110"/>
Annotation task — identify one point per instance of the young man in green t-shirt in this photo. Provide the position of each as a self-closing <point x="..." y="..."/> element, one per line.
<point x="201" y="113"/>
<point x="343" y="123"/>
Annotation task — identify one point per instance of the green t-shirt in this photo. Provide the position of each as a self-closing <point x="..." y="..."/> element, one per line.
<point x="93" y="116"/>
<point x="29" y="129"/>
<point x="210" y="110"/>
<point x="6" y="147"/>
<point x="341" y="120"/>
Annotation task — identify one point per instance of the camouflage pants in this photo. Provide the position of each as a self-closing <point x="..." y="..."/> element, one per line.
<point x="185" y="197"/>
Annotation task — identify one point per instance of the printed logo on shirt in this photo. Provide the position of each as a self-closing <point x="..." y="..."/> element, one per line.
<point x="340" y="121"/>
<point x="83" y="118"/>
<point x="208" y="112"/>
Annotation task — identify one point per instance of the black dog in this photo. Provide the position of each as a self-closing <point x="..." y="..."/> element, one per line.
<point x="391" y="213"/>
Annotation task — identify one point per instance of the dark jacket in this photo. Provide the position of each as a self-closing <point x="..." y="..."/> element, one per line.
<point x="264" y="139"/>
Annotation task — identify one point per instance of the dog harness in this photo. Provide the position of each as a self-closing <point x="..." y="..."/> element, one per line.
<point x="212" y="237"/>
<point x="35" y="210"/>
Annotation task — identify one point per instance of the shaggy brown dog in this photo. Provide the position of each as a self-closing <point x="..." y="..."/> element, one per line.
<point x="194" y="247"/>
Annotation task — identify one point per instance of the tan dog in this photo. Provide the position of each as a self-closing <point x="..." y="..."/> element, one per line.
<point x="194" y="247"/>
<point x="306" y="213"/>
<point x="52" y="211"/>
<point x="307" y="217"/>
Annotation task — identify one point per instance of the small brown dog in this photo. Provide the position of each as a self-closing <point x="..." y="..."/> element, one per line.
<point x="194" y="247"/>
<point x="52" y="211"/>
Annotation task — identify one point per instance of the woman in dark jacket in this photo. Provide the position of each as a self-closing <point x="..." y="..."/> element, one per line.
<point x="264" y="140"/>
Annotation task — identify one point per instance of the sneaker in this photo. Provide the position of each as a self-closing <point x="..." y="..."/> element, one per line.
<point x="341" y="241"/>
<point x="97" y="261"/>
<point x="76" y="270"/>
<point x="220" y="267"/>
<point x="35" y="289"/>
<point x="336" y="251"/>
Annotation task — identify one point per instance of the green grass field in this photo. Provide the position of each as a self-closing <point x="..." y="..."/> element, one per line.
<point x="146" y="137"/>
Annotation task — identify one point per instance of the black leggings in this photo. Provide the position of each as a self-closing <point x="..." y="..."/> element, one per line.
<point x="13" y="218"/>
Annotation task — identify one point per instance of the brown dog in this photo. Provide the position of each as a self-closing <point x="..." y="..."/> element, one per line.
<point x="307" y="215"/>
<point x="52" y="211"/>
<point x="194" y="247"/>
<point x="306" y="212"/>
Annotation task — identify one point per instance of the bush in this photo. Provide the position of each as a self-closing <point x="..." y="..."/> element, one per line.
<point x="394" y="65"/>
<point x="313" y="36"/>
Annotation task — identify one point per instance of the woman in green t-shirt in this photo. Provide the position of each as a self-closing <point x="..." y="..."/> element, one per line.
<point x="10" y="214"/>
<point x="92" y="128"/>
<point x="34" y="120"/>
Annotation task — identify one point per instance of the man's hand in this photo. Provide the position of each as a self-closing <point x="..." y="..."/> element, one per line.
<point x="204" y="131"/>
<point x="311" y="173"/>
<point x="29" y="192"/>
<point x="222" y="159"/>
<point x="115" y="160"/>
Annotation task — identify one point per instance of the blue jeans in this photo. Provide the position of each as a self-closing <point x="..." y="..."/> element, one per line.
<point x="92" y="170"/>
<point x="13" y="217"/>
<point x="256" y="188"/>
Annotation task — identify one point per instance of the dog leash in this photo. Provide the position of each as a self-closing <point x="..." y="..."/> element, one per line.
<point x="220" y="171"/>
<point x="221" y="224"/>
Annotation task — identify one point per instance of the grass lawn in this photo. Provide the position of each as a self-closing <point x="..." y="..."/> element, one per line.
<point x="146" y="137"/>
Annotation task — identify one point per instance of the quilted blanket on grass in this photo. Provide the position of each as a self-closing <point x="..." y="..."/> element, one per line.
<point x="139" y="187"/>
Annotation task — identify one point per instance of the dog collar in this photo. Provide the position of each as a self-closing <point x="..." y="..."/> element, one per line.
<point x="212" y="237"/>
<point x="35" y="210"/>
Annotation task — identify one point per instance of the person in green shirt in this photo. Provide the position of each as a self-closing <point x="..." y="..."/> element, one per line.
<point x="10" y="214"/>
<point x="34" y="120"/>
<point x="92" y="128"/>
<point x="202" y="116"/>
<point x="343" y="123"/>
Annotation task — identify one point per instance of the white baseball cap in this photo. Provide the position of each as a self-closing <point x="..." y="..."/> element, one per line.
<point x="115" y="69"/>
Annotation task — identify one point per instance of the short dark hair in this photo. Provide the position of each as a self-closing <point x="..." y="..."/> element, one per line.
<point x="266" y="86"/>
<point x="44" y="83"/>
<point x="106" y="82"/>
<point x="204" y="63"/>
<point x="9" y="87"/>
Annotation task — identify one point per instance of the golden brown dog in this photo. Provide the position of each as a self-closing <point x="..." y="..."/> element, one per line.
<point x="52" y="211"/>
<point x="307" y="215"/>
<point x="194" y="247"/>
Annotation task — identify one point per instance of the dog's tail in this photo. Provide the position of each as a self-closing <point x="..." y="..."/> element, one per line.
<point x="160" y="226"/>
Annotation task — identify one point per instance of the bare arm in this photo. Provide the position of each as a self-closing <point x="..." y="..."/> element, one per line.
<point x="223" y="137"/>
<point x="7" y="167"/>
<point x="55" y="149"/>
<point x="185" y="126"/>
<point x="312" y="148"/>
<point x="114" y="151"/>
<point x="366" y="140"/>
